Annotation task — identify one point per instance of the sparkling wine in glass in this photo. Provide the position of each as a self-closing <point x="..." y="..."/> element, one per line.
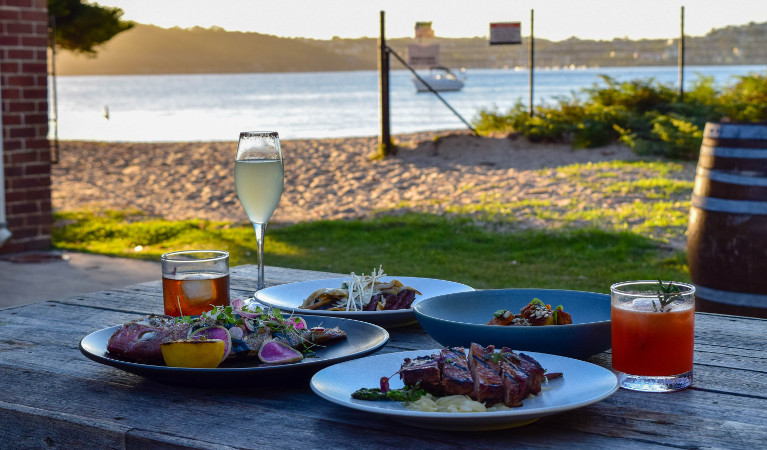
<point x="259" y="179"/>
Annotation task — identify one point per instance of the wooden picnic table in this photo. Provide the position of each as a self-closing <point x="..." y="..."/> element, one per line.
<point x="53" y="396"/>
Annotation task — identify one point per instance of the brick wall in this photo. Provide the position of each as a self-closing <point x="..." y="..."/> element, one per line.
<point x="26" y="155"/>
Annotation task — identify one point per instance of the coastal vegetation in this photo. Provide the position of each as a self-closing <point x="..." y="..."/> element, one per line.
<point x="646" y="115"/>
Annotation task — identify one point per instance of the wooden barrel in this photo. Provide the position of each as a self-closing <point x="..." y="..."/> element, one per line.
<point x="727" y="234"/>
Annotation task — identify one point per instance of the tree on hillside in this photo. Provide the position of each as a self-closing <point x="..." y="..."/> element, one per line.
<point x="81" y="26"/>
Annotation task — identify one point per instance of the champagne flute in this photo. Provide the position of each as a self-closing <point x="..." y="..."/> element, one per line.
<point x="259" y="179"/>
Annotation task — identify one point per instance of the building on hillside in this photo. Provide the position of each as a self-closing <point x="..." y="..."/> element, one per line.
<point x="25" y="168"/>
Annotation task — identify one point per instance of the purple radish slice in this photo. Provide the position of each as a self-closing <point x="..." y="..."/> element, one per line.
<point x="215" y="332"/>
<point x="298" y="323"/>
<point x="275" y="352"/>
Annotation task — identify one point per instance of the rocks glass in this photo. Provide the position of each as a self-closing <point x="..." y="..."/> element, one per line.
<point x="653" y="331"/>
<point x="194" y="281"/>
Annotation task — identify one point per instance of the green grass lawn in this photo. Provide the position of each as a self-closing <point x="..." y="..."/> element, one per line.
<point x="453" y="248"/>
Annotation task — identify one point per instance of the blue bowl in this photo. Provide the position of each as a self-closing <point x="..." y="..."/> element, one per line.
<point x="459" y="319"/>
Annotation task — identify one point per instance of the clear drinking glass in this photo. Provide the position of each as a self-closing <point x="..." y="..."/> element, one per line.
<point x="259" y="180"/>
<point x="653" y="334"/>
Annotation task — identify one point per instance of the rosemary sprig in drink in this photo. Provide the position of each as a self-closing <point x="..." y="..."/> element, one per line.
<point x="663" y="295"/>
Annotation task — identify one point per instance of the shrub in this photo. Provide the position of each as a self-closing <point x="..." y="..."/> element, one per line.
<point x="646" y="115"/>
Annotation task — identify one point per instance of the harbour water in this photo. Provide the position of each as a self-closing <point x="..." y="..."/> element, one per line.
<point x="216" y="107"/>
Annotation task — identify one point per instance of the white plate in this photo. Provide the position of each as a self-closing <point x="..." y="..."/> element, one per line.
<point x="582" y="384"/>
<point x="288" y="297"/>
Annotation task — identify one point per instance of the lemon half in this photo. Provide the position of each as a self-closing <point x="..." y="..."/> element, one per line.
<point x="198" y="353"/>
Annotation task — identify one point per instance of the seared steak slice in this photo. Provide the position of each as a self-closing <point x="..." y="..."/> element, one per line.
<point x="535" y="370"/>
<point x="140" y="340"/>
<point x="525" y="370"/>
<point x="456" y="376"/>
<point x="514" y="385"/>
<point x="402" y="300"/>
<point x="423" y="369"/>
<point x="488" y="385"/>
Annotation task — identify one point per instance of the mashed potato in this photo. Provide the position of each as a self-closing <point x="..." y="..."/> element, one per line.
<point x="451" y="404"/>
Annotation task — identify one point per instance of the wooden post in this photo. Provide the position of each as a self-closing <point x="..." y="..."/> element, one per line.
<point x="384" y="140"/>
<point x="681" y="58"/>
<point x="531" y="64"/>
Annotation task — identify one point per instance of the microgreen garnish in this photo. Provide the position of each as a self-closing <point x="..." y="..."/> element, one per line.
<point x="663" y="298"/>
<point x="537" y="301"/>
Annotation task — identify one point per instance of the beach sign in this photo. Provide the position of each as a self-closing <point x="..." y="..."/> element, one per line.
<point x="505" y="33"/>
<point x="423" y="55"/>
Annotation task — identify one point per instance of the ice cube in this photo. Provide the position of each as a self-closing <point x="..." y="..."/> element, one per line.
<point x="198" y="292"/>
<point x="644" y="304"/>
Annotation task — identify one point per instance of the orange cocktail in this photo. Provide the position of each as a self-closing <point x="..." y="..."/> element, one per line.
<point x="653" y="334"/>
<point x="652" y="343"/>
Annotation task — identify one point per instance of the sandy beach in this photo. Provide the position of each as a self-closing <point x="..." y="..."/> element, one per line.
<point x="434" y="172"/>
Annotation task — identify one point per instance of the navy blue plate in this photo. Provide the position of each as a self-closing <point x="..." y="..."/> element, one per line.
<point x="361" y="339"/>
<point x="459" y="319"/>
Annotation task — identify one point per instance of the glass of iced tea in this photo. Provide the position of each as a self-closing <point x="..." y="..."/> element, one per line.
<point x="653" y="334"/>
<point x="194" y="281"/>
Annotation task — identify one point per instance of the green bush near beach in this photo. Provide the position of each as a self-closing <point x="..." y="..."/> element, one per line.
<point x="644" y="114"/>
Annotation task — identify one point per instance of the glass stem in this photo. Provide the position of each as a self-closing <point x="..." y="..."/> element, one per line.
<point x="260" y="232"/>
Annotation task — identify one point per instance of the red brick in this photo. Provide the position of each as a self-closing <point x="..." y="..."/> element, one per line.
<point x="40" y="219"/>
<point x="41" y="143"/>
<point x="20" y="234"/>
<point x="21" y="208"/>
<point x="21" y="53"/>
<point x="22" y="107"/>
<point x="36" y="68"/>
<point x="22" y="157"/>
<point x="11" y="93"/>
<point x="7" y="40"/>
<point x="17" y="196"/>
<point x="34" y="41"/>
<point x="10" y="144"/>
<point x="9" y="67"/>
<point x="37" y="169"/>
<point x="20" y="28"/>
<point x="18" y="3"/>
<point x="14" y="222"/>
<point x="35" y="93"/>
<point x="12" y="119"/>
<point x="11" y="15"/>
<point x="35" y="16"/>
<point x="22" y="132"/>
<point x="35" y="120"/>
<point x="40" y="194"/>
<point x="22" y="80"/>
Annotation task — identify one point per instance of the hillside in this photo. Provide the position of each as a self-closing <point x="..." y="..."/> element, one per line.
<point x="147" y="49"/>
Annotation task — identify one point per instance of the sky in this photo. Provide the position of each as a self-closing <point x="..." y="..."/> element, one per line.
<point x="553" y="19"/>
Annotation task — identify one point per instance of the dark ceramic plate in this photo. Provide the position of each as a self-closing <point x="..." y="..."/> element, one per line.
<point x="362" y="338"/>
<point x="459" y="319"/>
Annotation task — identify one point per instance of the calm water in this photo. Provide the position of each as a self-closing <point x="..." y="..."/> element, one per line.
<point x="310" y="105"/>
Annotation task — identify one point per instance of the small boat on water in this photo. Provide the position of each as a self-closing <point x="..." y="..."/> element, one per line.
<point x="440" y="79"/>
